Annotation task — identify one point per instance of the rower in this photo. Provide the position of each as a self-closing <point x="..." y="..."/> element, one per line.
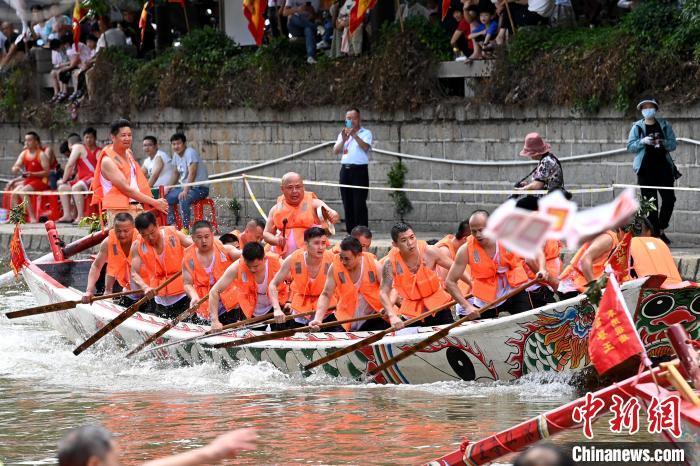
<point x="451" y="244"/>
<point x="253" y="232"/>
<point x="294" y="212"/>
<point x="494" y="270"/>
<point x="306" y="271"/>
<point x="119" y="185"/>
<point x="202" y="265"/>
<point x="410" y="269"/>
<point x="354" y="278"/>
<point x="250" y="275"/>
<point x="230" y="238"/>
<point x="160" y="251"/>
<point x="363" y="235"/>
<point x="115" y="252"/>
<point x="588" y="264"/>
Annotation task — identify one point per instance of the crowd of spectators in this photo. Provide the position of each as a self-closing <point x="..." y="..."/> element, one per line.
<point x="38" y="169"/>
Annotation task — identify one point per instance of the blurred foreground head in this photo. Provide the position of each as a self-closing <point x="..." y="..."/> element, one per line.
<point x="544" y="454"/>
<point x="89" y="445"/>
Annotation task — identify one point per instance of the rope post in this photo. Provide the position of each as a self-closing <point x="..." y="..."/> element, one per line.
<point x="245" y="203"/>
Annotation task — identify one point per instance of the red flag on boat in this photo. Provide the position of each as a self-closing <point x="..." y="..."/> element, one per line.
<point x="613" y="338"/>
<point x="254" y="12"/>
<point x="143" y="20"/>
<point x="79" y="13"/>
<point x="358" y="12"/>
<point x="17" y="257"/>
<point x="445" y="8"/>
<point x="619" y="259"/>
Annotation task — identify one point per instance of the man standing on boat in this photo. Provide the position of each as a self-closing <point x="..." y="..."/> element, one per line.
<point x="353" y="278"/>
<point x="119" y="184"/>
<point x="203" y="264"/>
<point x="155" y="257"/>
<point x="293" y="214"/>
<point x="410" y="269"/>
<point x="115" y="252"/>
<point x="495" y="271"/>
<point x="307" y="270"/>
<point x="251" y="276"/>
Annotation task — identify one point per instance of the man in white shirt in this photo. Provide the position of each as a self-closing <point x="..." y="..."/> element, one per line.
<point x="354" y="144"/>
<point x="190" y="168"/>
<point x="157" y="166"/>
<point x="82" y="59"/>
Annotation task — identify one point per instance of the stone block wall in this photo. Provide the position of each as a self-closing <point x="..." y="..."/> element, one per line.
<point x="238" y="138"/>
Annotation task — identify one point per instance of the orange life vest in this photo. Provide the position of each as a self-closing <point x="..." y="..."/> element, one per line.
<point x="420" y="291"/>
<point x="485" y="270"/>
<point x="651" y="256"/>
<point x="299" y="218"/>
<point x="247" y="287"/>
<point x="446" y="243"/>
<point x="119" y="262"/>
<point x="552" y="257"/>
<point x="202" y="280"/>
<point x="304" y="290"/>
<point x="573" y="271"/>
<point x="347" y="292"/>
<point x="173" y="253"/>
<point x="111" y="197"/>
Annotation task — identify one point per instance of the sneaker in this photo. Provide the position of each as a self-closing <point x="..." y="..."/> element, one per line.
<point x="461" y="58"/>
<point x="323" y="45"/>
<point x="311" y="60"/>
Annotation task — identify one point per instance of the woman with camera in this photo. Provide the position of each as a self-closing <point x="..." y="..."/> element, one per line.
<point x="652" y="139"/>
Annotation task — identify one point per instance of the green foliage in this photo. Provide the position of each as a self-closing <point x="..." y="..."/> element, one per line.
<point x="646" y="206"/>
<point x="11" y="93"/>
<point x="18" y="213"/>
<point x="397" y="179"/>
<point x="428" y="33"/>
<point x="594" y="290"/>
<point x="93" y="222"/>
<point x="235" y="207"/>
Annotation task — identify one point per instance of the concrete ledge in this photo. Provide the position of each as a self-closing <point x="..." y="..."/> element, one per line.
<point x="460" y="69"/>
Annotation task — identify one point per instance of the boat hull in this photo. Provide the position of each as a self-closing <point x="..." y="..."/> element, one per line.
<point x="549" y="339"/>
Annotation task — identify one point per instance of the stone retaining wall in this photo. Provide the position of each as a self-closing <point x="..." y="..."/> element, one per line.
<point x="241" y="137"/>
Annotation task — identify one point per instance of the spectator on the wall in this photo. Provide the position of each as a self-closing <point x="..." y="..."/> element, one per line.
<point x="652" y="140"/>
<point x="301" y="15"/>
<point x="466" y="20"/>
<point x="190" y="168"/>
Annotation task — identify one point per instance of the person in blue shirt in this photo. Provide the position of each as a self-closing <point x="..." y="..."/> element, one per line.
<point x="652" y="140"/>
<point x="485" y="32"/>
<point x="189" y="168"/>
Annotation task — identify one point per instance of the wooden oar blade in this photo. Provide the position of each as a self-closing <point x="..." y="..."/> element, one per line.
<point x="32" y="311"/>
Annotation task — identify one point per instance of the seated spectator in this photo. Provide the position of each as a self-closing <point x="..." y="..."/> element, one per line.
<point x="483" y="34"/>
<point x="278" y="22"/>
<point x="81" y="60"/>
<point x="327" y="23"/>
<point x="466" y="20"/>
<point x="57" y="27"/>
<point x="38" y="26"/>
<point x="61" y="72"/>
<point x="12" y="45"/>
<point x="343" y="43"/>
<point x="541" y="11"/>
<point x="564" y="15"/>
<point x="190" y="168"/>
<point x="111" y="36"/>
<point x="300" y="22"/>
<point x="33" y="164"/>
<point x="78" y="174"/>
<point x="160" y="169"/>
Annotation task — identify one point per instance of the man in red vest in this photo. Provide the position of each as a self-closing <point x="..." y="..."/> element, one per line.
<point x="119" y="184"/>
<point x="293" y="214"/>
<point x="78" y="174"/>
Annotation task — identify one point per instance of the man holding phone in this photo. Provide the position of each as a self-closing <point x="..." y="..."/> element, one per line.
<point x="354" y="144"/>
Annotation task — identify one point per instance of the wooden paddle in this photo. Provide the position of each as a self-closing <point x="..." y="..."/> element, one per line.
<point x="376" y="337"/>
<point x="45" y="309"/>
<point x="445" y="330"/>
<point x="241" y="325"/>
<point x="131" y="310"/>
<point x="289" y="332"/>
<point x="184" y="315"/>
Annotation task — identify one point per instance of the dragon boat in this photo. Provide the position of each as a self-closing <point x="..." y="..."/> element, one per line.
<point x="551" y="338"/>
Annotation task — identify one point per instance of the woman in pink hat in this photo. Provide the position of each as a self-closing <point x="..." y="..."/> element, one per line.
<point x="548" y="175"/>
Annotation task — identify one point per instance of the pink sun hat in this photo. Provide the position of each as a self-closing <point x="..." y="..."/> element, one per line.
<point x="534" y="145"/>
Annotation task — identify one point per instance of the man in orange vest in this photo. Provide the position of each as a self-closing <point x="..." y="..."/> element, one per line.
<point x="306" y="271"/>
<point x="410" y="270"/>
<point x="155" y="257"/>
<point x="251" y="275"/>
<point x="363" y="235"/>
<point x="78" y="174"/>
<point x="202" y="265"/>
<point x="115" y="253"/>
<point x="588" y="264"/>
<point x="119" y="185"/>
<point x="354" y="279"/>
<point x="293" y="214"/>
<point x="495" y="272"/>
<point x="451" y="244"/>
<point x="253" y="232"/>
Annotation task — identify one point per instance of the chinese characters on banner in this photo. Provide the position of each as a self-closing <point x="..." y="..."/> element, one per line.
<point x="663" y="415"/>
